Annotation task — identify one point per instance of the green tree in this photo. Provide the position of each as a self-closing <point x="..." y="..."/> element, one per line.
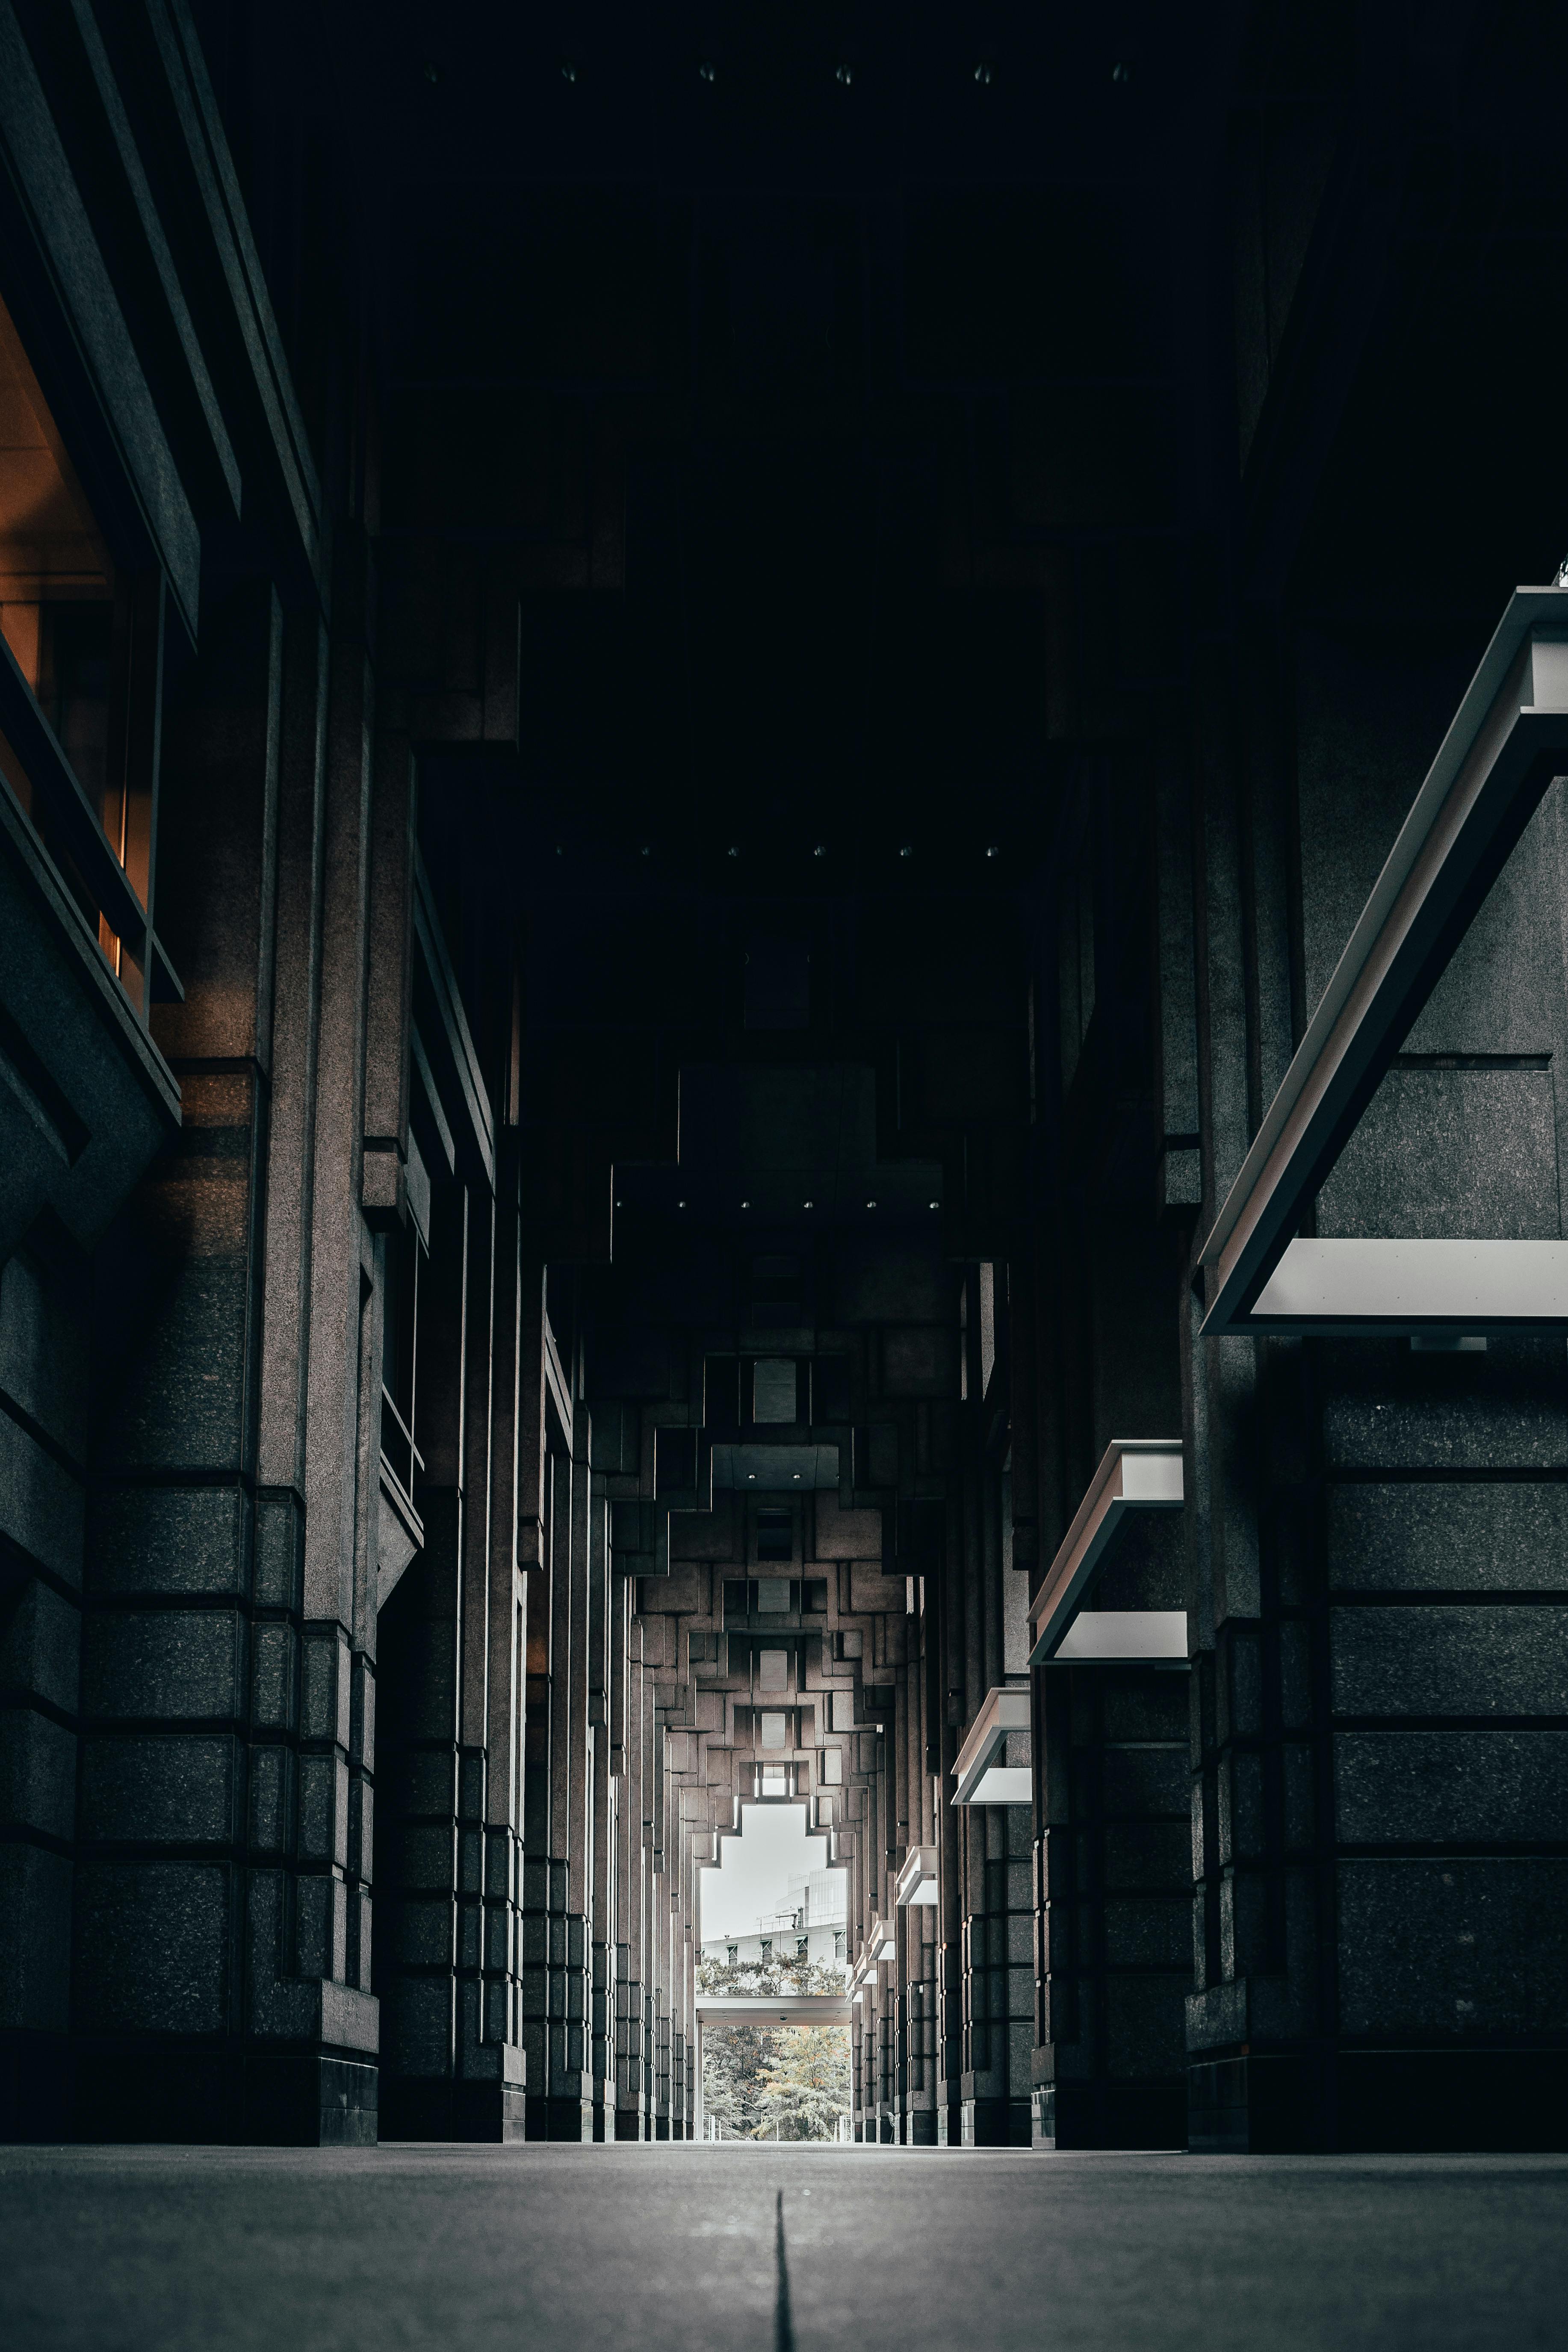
<point x="739" y="2060"/>
<point x="735" y="2059"/>
<point x="805" y="2083"/>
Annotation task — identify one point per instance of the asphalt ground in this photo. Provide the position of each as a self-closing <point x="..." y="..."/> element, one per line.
<point x="786" y="2248"/>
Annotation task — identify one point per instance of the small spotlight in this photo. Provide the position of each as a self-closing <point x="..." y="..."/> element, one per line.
<point x="821" y="849"/>
<point x="983" y="75"/>
<point x="993" y="849"/>
<point x="620" y="1204"/>
<point x="907" y="849"/>
<point x="559" y="851"/>
<point x="870" y="1204"/>
<point x="935" y="1205"/>
<point x="808" y="1204"/>
<point x="705" y="70"/>
<point x="844" y="75"/>
<point x="432" y="74"/>
<point x="734" y="850"/>
<point x="647" y="849"/>
<point x="752" y="1478"/>
<point x="797" y="1477"/>
<point x="1121" y="70"/>
<point x="680" y="1204"/>
<point x="568" y="73"/>
<point x="745" y="1204"/>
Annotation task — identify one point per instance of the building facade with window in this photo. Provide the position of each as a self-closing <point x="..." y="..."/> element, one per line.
<point x="782" y="994"/>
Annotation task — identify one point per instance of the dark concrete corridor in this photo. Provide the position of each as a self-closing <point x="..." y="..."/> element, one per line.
<point x="470" y="2248"/>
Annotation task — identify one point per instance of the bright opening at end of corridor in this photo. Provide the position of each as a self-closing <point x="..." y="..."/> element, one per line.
<point x="774" y="1929"/>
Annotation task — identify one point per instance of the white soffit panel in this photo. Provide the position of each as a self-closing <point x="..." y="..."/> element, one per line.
<point x="1001" y="1784"/>
<point x="1348" y="1289"/>
<point x="1507" y="739"/>
<point x="1125" y="1637"/>
<point x="1134" y="1473"/>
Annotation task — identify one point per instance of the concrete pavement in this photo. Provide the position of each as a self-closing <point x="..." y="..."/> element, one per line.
<point x="473" y="2250"/>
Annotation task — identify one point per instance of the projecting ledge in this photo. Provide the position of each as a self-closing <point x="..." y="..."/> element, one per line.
<point x="917" y="1876"/>
<point x="994" y="1763"/>
<point x="1507" y="741"/>
<point x="1134" y="1473"/>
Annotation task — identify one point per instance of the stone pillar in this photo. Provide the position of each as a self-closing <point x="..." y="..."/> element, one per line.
<point x="1117" y="1906"/>
<point x="490" y="2094"/>
<point x="552" y="2096"/>
<point x="45" y="1330"/>
<point x="232" y="1544"/>
<point x="609" y="1629"/>
<point x="998" y="1984"/>
<point x="627" y="1715"/>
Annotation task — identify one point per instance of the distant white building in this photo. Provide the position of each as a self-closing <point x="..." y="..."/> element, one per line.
<point x="812" y="1926"/>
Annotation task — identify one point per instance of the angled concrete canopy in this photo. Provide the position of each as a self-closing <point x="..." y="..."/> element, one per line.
<point x="917" y="1879"/>
<point x="1004" y="1712"/>
<point x="881" y="1943"/>
<point x="1507" y="739"/>
<point x="1134" y="1473"/>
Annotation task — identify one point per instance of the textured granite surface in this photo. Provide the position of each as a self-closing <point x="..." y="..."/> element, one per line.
<point x="680" y="2247"/>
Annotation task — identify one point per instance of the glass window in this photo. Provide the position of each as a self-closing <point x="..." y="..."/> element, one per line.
<point x="73" y="634"/>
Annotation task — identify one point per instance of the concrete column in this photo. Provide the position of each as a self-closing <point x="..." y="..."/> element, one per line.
<point x="998" y="1976"/>
<point x="198" y="1608"/>
<point x="492" y="2068"/>
<point x="1118" y="1899"/>
<point x="609" y="1628"/>
<point x="626" y="1715"/>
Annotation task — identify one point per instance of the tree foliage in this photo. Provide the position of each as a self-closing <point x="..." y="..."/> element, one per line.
<point x="805" y="2083"/>
<point x="759" y="2079"/>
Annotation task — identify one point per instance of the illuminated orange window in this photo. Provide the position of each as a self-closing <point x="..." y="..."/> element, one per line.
<point x="70" y="631"/>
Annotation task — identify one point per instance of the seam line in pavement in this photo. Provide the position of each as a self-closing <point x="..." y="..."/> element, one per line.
<point x="783" y="2328"/>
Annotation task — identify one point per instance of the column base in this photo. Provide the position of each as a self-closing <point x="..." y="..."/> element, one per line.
<point x="1363" y="2101"/>
<point x="197" y="2097"/>
<point x="1109" y="2115"/>
<point x="38" y="2086"/>
<point x="920" y="2127"/>
<point x="419" y="2109"/>
<point x="558" y="2119"/>
<point x="629" y="2122"/>
<point x="995" y="2123"/>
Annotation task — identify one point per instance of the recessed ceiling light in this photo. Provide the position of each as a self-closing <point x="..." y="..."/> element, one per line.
<point x="705" y="70"/>
<point x="568" y="73"/>
<point x="821" y="850"/>
<point x="797" y="1477"/>
<point x="844" y="75"/>
<point x="808" y="1204"/>
<point x="870" y="1204"/>
<point x="680" y="1204"/>
<point x="982" y="74"/>
<point x="1121" y="70"/>
<point x="907" y="849"/>
<point x="745" y="1204"/>
<point x="993" y="849"/>
<point x="751" y="1477"/>
<point x="935" y="1205"/>
<point x="734" y="850"/>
